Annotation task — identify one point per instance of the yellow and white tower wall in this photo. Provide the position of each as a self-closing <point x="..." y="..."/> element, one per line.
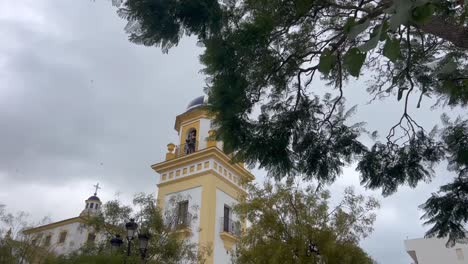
<point x="198" y="177"/>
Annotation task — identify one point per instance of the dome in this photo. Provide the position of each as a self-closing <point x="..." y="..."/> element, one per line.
<point x="94" y="198"/>
<point x="197" y="102"/>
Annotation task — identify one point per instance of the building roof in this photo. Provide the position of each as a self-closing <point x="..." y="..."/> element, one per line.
<point x="53" y="225"/>
<point x="94" y="198"/>
<point x="197" y="102"/>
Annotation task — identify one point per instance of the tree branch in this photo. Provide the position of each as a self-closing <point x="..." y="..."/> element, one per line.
<point x="440" y="27"/>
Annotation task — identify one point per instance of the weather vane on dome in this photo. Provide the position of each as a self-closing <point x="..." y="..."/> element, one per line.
<point x="96" y="186"/>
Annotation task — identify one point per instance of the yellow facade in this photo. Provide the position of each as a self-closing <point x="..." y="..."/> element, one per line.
<point x="208" y="168"/>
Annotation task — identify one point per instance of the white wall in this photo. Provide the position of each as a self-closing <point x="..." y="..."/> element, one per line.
<point x="433" y="251"/>
<point x="220" y="253"/>
<point x="77" y="235"/>
<point x="194" y="197"/>
<point x="205" y="126"/>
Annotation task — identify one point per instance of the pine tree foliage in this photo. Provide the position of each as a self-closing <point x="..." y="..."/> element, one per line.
<point x="265" y="54"/>
<point x="388" y="166"/>
<point x="447" y="210"/>
<point x="290" y="224"/>
<point x="15" y="247"/>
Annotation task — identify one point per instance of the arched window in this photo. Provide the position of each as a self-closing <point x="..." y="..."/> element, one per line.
<point x="191" y="141"/>
<point x="91" y="237"/>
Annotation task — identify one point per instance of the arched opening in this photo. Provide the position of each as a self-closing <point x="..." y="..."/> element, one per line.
<point x="190" y="141"/>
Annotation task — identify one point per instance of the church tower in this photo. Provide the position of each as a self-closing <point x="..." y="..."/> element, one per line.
<point x="199" y="185"/>
<point x="92" y="204"/>
<point x="69" y="235"/>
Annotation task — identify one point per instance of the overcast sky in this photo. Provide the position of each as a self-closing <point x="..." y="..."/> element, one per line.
<point x="79" y="104"/>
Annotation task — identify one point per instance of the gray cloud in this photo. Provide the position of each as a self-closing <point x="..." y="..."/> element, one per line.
<point x="83" y="102"/>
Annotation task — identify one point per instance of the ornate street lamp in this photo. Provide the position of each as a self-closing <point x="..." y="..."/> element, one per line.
<point x="144" y="238"/>
<point x="132" y="228"/>
<point x="131" y="232"/>
<point x="116" y="243"/>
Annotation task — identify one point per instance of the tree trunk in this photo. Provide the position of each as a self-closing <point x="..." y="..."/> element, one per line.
<point x="438" y="26"/>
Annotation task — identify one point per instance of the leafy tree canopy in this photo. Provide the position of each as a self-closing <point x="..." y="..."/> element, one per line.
<point x="291" y="224"/>
<point x="266" y="53"/>
<point x="15" y="247"/>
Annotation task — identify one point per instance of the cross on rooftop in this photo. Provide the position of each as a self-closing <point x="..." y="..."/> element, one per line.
<point x="96" y="186"/>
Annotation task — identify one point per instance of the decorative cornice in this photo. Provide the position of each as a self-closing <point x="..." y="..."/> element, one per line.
<point x="229" y="240"/>
<point x="200" y="155"/>
<point x="208" y="172"/>
<point x="183" y="233"/>
<point x="190" y="115"/>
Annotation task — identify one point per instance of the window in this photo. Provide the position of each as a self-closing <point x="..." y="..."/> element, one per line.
<point x="91" y="237"/>
<point x="459" y="252"/>
<point x="182" y="213"/>
<point x="47" y="240"/>
<point x="63" y="237"/>
<point x="191" y="141"/>
<point x="91" y="206"/>
<point x="227" y="214"/>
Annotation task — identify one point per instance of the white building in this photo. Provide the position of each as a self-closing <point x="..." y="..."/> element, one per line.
<point x="434" y="251"/>
<point x="69" y="235"/>
<point x="199" y="184"/>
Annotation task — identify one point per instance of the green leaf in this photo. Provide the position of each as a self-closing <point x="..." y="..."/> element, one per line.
<point x="421" y="2"/>
<point x="422" y="14"/>
<point x="374" y="40"/>
<point x="370" y="44"/>
<point x="327" y="61"/>
<point x="353" y="61"/>
<point x="391" y="49"/>
<point x="448" y="67"/>
<point x="384" y="30"/>
<point x="390" y="10"/>
<point x="358" y="28"/>
<point x="349" y="24"/>
<point x="401" y="15"/>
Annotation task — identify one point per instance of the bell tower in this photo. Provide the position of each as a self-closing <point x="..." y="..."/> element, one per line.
<point x="92" y="204"/>
<point x="199" y="185"/>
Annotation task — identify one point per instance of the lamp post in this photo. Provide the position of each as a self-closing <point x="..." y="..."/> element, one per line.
<point x="116" y="242"/>
<point x="144" y="238"/>
<point x="131" y="232"/>
<point x="131" y="228"/>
